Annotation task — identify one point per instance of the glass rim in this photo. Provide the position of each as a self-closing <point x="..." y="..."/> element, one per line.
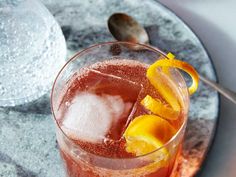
<point x="153" y="49"/>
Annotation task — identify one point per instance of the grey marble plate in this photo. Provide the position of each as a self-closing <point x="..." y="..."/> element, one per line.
<point x="27" y="139"/>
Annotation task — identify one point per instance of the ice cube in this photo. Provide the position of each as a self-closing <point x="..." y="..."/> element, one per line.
<point x="90" y="116"/>
<point x="116" y="106"/>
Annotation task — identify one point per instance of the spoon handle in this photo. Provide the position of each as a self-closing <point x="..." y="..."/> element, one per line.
<point x="224" y="91"/>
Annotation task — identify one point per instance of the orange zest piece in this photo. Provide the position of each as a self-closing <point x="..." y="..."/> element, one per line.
<point x="166" y="69"/>
<point x="158" y="108"/>
<point x="176" y="64"/>
<point x="164" y="85"/>
<point x="170" y="55"/>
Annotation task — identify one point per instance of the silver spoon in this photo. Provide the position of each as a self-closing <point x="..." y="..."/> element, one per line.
<point x="125" y="28"/>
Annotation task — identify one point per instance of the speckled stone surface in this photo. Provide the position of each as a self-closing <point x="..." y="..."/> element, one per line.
<point x="28" y="145"/>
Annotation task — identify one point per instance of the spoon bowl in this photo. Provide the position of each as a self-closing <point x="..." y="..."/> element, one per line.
<point x="124" y="28"/>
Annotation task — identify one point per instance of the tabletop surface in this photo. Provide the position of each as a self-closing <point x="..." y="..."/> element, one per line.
<point x="30" y="138"/>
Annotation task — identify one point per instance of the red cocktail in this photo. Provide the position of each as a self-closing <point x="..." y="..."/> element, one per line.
<point x="107" y="121"/>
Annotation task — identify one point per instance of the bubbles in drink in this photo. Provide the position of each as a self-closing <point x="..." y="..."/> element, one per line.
<point x="100" y="101"/>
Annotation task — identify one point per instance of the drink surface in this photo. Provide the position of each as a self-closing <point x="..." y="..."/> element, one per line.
<point x="97" y="104"/>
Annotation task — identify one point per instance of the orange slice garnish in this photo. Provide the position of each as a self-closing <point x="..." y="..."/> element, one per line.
<point x="147" y="133"/>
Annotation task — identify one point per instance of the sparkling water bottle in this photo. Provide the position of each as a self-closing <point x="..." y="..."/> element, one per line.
<point x="32" y="50"/>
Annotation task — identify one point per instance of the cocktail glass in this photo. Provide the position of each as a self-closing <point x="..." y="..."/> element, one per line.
<point x="80" y="160"/>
